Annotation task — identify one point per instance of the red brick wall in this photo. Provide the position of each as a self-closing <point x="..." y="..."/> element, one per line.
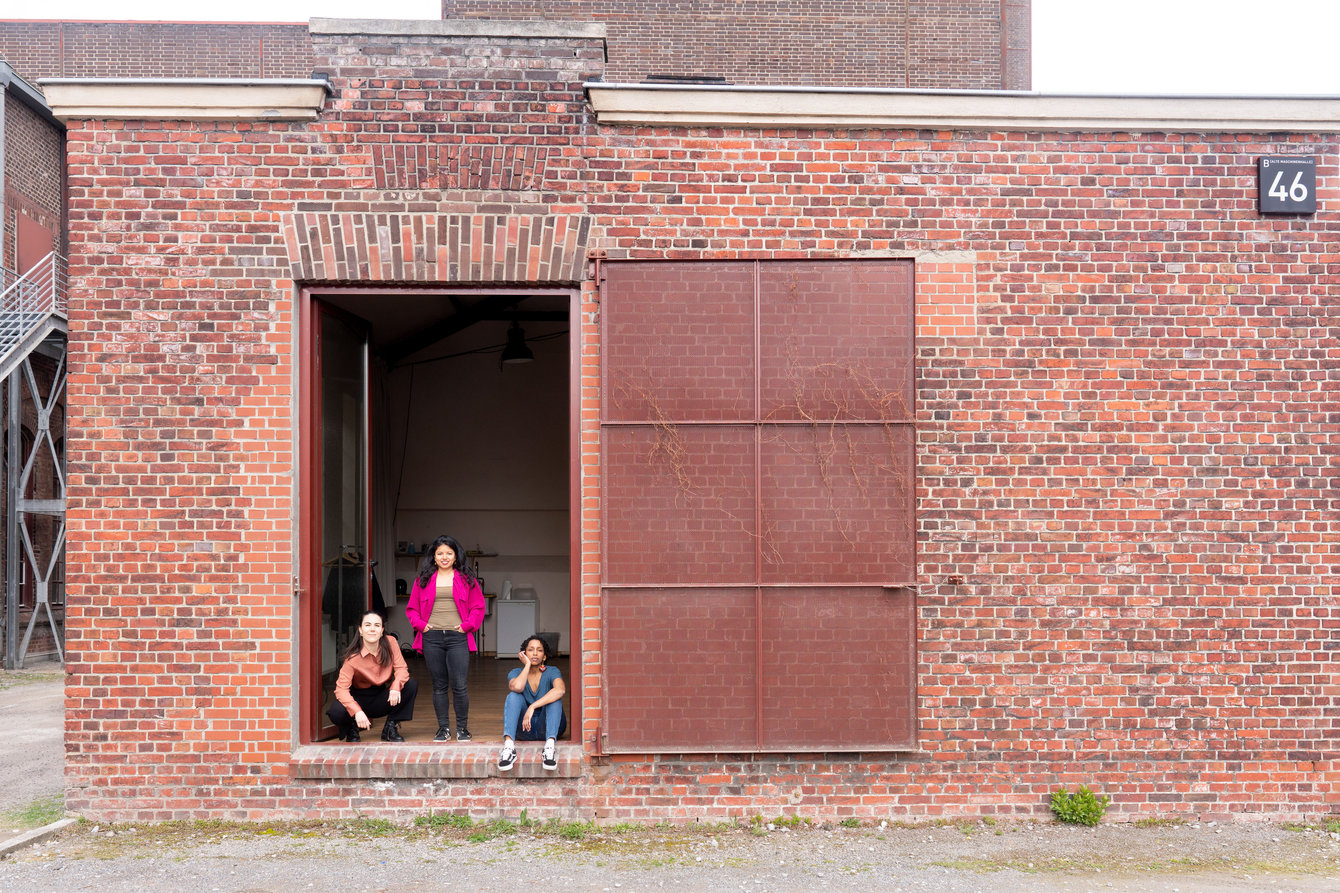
<point x="42" y="49"/>
<point x="181" y="452"/>
<point x="180" y="461"/>
<point x="1126" y="447"/>
<point x="967" y="44"/>
<point x="1124" y="455"/>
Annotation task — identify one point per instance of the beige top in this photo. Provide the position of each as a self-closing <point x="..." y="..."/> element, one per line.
<point x="445" y="614"/>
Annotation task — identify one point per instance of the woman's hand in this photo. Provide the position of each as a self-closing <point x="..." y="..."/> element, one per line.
<point x="361" y="720"/>
<point x="525" y="720"/>
<point x="525" y="661"/>
<point x="393" y="698"/>
<point x="457" y="628"/>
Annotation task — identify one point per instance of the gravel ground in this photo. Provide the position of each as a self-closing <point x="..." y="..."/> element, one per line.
<point x="32" y="713"/>
<point x="373" y="856"/>
<point x="206" y="857"/>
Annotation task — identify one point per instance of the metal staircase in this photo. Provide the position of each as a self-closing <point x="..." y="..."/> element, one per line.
<point x="32" y="306"/>
<point x="32" y="320"/>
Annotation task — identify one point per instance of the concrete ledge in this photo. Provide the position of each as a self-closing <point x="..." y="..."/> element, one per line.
<point x="186" y="99"/>
<point x="336" y="761"/>
<point x="836" y="108"/>
<point x="35" y="836"/>
<point x="460" y="28"/>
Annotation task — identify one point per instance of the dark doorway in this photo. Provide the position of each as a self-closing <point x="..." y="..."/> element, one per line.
<point x="467" y="427"/>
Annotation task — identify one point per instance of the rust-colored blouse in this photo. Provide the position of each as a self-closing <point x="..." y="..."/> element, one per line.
<point x="363" y="671"/>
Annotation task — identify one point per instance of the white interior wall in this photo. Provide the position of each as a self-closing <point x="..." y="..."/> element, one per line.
<point x="486" y="462"/>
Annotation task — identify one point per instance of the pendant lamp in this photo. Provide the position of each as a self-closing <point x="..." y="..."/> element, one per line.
<point x="516" y="350"/>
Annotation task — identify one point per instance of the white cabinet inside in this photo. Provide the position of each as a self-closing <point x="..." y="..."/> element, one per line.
<point x="516" y="623"/>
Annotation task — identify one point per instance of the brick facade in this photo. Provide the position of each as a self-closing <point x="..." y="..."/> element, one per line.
<point x="1127" y="548"/>
<point x="963" y="45"/>
<point x="48" y="49"/>
<point x="967" y="44"/>
<point x="33" y="183"/>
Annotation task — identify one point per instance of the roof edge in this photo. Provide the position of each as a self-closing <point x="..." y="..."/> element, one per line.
<point x="842" y="108"/>
<point x="186" y="99"/>
<point x="13" y="82"/>
<point x="460" y="28"/>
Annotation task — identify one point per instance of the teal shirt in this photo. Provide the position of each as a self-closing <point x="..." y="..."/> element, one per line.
<point x="546" y="683"/>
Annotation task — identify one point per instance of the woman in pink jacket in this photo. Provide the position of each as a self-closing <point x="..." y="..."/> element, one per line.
<point x="446" y="606"/>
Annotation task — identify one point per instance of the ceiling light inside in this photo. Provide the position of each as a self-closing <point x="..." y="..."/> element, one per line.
<point x="516" y="350"/>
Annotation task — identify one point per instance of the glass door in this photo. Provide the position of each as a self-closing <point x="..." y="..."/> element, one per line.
<point x="337" y="504"/>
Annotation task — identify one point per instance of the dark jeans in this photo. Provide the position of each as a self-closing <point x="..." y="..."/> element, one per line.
<point x="375" y="703"/>
<point x="448" y="657"/>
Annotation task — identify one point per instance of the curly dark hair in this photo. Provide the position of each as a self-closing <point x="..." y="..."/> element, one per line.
<point x="543" y="644"/>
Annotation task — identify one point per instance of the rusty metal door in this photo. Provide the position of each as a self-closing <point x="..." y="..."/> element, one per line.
<point x="758" y="464"/>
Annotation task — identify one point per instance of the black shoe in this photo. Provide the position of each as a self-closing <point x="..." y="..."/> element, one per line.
<point x="391" y="731"/>
<point x="443" y="734"/>
<point x="462" y="734"/>
<point x="350" y="735"/>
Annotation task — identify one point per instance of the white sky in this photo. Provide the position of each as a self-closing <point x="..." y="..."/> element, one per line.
<point x="1186" y="46"/>
<point x="1079" y="46"/>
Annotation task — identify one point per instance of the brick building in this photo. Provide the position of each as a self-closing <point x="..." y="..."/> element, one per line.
<point x="884" y="452"/>
<point x="968" y="44"/>
<point x="32" y="207"/>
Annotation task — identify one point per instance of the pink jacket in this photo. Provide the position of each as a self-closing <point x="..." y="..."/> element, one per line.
<point x="469" y="600"/>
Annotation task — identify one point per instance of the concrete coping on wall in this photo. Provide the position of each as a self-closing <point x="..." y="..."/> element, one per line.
<point x="534" y="30"/>
<point x="832" y="108"/>
<point x="26" y="93"/>
<point x="186" y="99"/>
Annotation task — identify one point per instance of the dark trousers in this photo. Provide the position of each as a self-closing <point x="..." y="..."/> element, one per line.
<point x="375" y="702"/>
<point x="448" y="657"/>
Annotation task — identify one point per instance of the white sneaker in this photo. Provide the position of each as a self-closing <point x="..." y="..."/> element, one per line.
<point x="550" y="760"/>
<point x="507" y="759"/>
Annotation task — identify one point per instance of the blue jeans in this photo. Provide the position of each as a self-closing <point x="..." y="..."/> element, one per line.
<point x="448" y="657"/>
<point x="548" y="721"/>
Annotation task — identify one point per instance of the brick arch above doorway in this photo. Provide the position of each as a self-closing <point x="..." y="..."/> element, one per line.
<point x="431" y="248"/>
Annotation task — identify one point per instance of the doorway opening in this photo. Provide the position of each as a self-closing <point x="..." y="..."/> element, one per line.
<point x="429" y="412"/>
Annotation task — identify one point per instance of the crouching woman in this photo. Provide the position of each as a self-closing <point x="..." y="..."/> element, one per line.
<point x="533" y="710"/>
<point x="374" y="681"/>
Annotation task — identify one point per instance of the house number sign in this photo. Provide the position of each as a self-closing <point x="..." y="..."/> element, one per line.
<point x="1287" y="184"/>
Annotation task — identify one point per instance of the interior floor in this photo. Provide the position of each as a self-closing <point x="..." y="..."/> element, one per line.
<point x="487" y="684"/>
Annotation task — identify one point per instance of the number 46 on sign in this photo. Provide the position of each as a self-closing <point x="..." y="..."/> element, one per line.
<point x="1287" y="184"/>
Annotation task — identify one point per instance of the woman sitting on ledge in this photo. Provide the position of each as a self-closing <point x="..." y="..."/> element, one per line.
<point x="374" y="681"/>
<point x="534" y="689"/>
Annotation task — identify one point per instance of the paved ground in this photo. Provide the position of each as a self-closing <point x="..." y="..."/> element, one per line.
<point x="205" y="857"/>
<point x="32" y="717"/>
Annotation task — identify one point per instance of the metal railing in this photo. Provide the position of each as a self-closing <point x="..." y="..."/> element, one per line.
<point x="31" y="307"/>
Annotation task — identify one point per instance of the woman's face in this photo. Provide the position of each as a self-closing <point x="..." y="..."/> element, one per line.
<point x="445" y="557"/>
<point x="535" y="653"/>
<point x="371" y="630"/>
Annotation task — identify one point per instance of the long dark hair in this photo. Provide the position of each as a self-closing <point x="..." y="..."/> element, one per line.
<point x="383" y="646"/>
<point x="428" y="566"/>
